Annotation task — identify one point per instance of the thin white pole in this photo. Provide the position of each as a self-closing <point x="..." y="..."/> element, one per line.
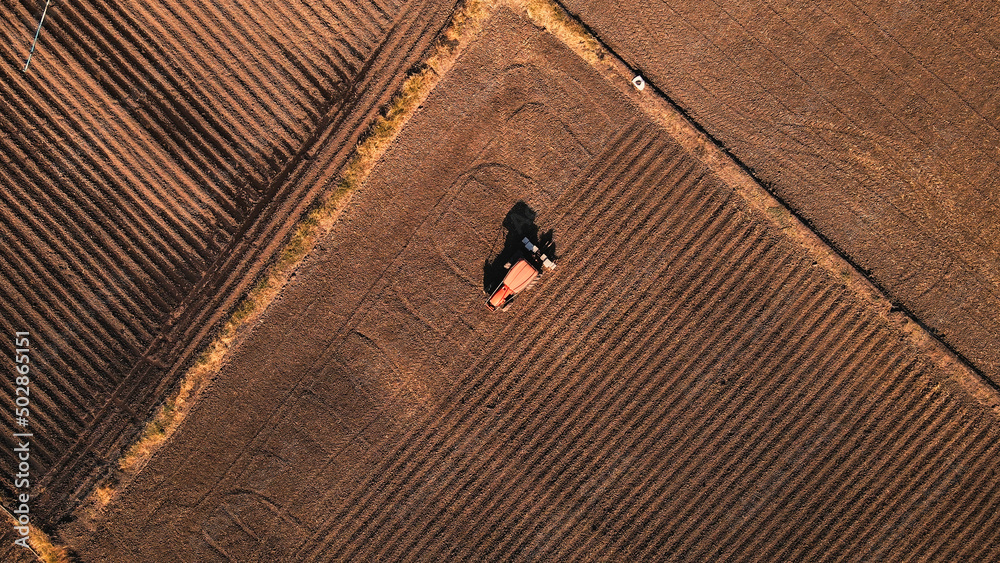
<point x="37" y="31"/>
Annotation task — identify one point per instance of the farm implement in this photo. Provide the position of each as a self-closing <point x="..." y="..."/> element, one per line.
<point x="523" y="272"/>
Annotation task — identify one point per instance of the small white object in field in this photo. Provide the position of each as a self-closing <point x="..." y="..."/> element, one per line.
<point x="638" y="82"/>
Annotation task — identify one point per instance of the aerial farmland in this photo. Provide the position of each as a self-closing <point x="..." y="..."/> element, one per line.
<point x="249" y="250"/>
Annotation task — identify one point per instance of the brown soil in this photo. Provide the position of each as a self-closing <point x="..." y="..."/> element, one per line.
<point x="15" y="553"/>
<point x="875" y="121"/>
<point x="692" y="382"/>
<point x="153" y="161"/>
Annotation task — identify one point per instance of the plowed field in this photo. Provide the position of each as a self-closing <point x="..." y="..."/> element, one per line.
<point x="691" y="383"/>
<point x="152" y="160"/>
<point x="876" y="121"/>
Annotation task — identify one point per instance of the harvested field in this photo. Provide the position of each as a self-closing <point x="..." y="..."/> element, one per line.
<point x="875" y="121"/>
<point x="153" y="160"/>
<point x="692" y="382"/>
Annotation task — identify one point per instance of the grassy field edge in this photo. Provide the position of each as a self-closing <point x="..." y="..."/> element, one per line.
<point x="463" y="27"/>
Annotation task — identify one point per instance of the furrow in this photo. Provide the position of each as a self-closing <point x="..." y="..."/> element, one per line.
<point x="218" y="96"/>
<point x="983" y="533"/>
<point x="626" y="407"/>
<point x="899" y="485"/>
<point x="695" y="447"/>
<point x="310" y="74"/>
<point x="400" y="52"/>
<point x="397" y="457"/>
<point x="42" y="325"/>
<point x="340" y="67"/>
<point x="366" y="32"/>
<point x="542" y="401"/>
<point x="963" y="508"/>
<point x="878" y="535"/>
<point x="380" y="12"/>
<point x="97" y="272"/>
<point x="609" y="203"/>
<point x="68" y="353"/>
<point x="821" y="535"/>
<point x="647" y="303"/>
<point x="85" y="233"/>
<point x="768" y="450"/>
<point x="108" y="334"/>
<point x="272" y="96"/>
<point x="170" y="213"/>
<point x="859" y="455"/>
<point x="788" y="507"/>
<point x="586" y="334"/>
<point x="54" y="387"/>
<point x="138" y="224"/>
<point x="680" y="403"/>
<point x="699" y="441"/>
<point x="175" y="106"/>
<point x="622" y="200"/>
<point x="58" y="296"/>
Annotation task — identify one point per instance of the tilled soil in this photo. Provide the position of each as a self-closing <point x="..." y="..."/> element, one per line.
<point x="690" y="383"/>
<point x="152" y="164"/>
<point x="876" y="121"/>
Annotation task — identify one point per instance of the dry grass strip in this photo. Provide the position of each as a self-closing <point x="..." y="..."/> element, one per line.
<point x="465" y="25"/>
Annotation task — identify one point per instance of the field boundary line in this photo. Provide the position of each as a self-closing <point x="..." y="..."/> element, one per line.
<point x="586" y="43"/>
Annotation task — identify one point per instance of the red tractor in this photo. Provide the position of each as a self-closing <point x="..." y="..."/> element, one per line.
<point x="522" y="273"/>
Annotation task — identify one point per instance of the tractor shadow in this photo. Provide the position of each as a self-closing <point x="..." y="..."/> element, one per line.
<point x="518" y="224"/>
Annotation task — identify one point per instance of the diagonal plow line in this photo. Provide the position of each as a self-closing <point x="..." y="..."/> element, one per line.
<point x="38" y="31"/>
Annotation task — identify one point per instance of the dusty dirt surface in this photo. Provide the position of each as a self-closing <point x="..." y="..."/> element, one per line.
<point x="152" y="162"/>
<point x="15" y="553"/>
<point x="876" y="121"/>
<point x="690" y="383"/>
